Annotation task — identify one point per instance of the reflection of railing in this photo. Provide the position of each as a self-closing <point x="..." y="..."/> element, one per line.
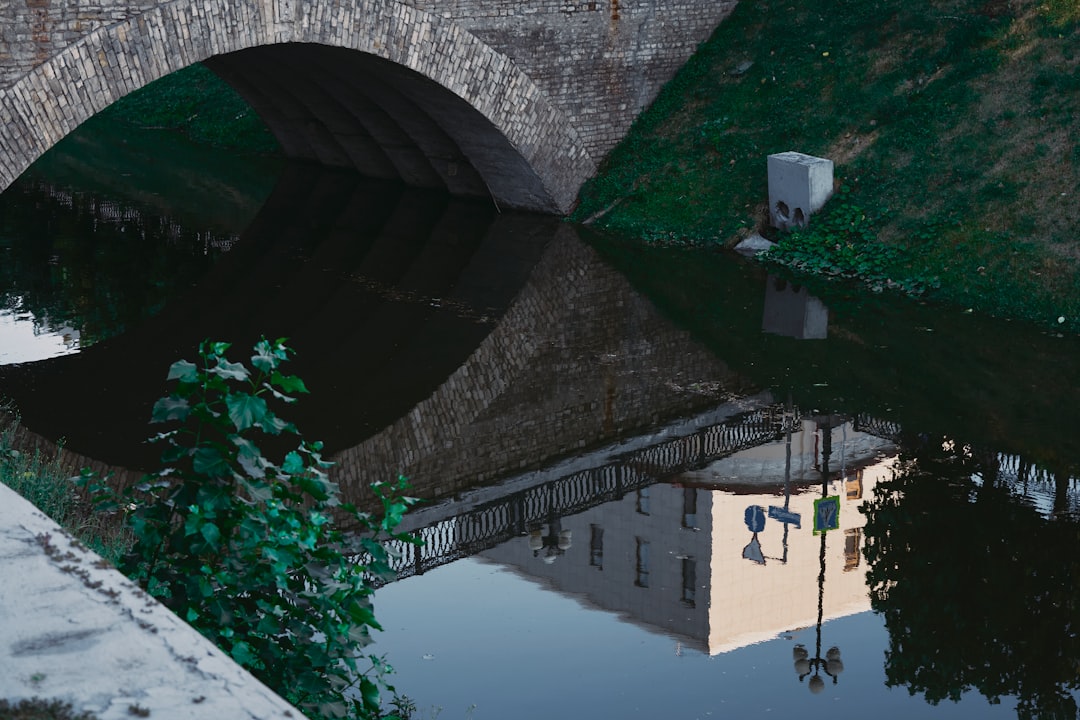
<point x="115" y="213"/>
<point x="497" y="521"/>
<point x="1049" y="492"/>
<point x="885" y="429"/>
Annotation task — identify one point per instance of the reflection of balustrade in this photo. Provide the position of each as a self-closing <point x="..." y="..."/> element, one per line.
<point x="496" y="522"/>
<point x="1051" y="493"/>
<point x="115" y="213"/>
<point x="1014" y="472"/>
<point x="885" y="429"/>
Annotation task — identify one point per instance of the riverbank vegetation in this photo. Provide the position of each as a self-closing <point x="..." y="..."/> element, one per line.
<point x="42" y="479"/>
<point x="197" y="103"/>
<point x="262" y="557"/>
<point x="954" y="127"/>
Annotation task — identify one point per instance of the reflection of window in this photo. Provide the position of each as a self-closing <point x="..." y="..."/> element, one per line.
<point x="596" y="546"/>
<point x="642" y="579"/>
<point x="643" y="504"/>
<point x="689" y="508"/>
<point x="852" y="541"/>
<point x="854" y="486"/>
<point x="689" y="581"/>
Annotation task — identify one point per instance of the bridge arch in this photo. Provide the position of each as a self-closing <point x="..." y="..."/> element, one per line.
<point x="414" y="95"/>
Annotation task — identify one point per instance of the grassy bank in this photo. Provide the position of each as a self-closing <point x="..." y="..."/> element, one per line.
<point x="42" y="480"/>
<point x="954" y="126"/>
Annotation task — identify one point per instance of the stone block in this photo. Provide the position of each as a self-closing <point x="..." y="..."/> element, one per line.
<point x="799" y="185"/>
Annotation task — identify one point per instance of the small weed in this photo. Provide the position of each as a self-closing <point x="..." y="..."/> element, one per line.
<point x="41" y="709"/>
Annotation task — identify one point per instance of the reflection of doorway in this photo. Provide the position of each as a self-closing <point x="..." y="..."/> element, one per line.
<point x="853" y="485"/>
<point x="852" y="543"/>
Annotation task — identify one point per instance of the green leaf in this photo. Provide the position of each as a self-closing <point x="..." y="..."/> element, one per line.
<point x="250" y="458"/>
<point x="211" y="534"/>
<point x="243" y="654"/>
<point x="370" y="693"/>
<point x="293" y="465"/>
<point x="288" y="383"/>
<point x="170" y="408"/>
<point x="246" y="410"/>
<point x="208" y="460"/>
<point x="273" y="425"/>
<point x="230" y="370"/>
<point x="264" y="358"/>
<point x="183" y="371"/>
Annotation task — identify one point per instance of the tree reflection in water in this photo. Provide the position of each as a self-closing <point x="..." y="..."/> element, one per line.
<point x="976" y="588"/>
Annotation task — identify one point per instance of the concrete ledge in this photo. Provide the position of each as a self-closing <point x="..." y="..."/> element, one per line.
<point x="73" y="628"/>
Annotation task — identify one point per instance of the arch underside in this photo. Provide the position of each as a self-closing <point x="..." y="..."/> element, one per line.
<point x="345" y="108"/>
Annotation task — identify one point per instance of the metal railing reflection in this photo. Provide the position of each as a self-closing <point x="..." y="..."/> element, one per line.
<point x="520" y="512"/>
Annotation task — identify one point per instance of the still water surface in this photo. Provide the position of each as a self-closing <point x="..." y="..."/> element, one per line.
<point x="622" y="447"/>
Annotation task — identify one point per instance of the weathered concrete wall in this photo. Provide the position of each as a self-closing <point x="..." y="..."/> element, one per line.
<point x="551" y="85"/>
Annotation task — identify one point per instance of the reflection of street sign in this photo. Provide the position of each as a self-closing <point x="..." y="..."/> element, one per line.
<point x="752" y="551"/>
<point x="827" y="513"/>
<point x="785" y="516"/>
<point x="755" y="518"/>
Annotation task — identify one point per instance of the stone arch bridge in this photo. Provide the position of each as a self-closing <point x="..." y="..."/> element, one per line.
<point x="516" y="99"/>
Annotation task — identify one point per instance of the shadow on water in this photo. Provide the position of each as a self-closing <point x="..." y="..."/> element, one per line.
<point x="602" y="419"/>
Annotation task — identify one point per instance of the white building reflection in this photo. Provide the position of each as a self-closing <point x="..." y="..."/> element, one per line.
<point x="24" y="338"/>
<point x="681" y="558"/>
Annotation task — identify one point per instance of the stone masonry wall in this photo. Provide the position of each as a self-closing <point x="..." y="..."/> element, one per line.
<point x="561" y="80"/>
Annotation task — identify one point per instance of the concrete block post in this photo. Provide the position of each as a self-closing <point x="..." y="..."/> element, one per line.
<point x="799" y="185"/>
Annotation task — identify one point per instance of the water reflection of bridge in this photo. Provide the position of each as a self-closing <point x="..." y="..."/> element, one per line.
<point x="441" y="340"/>
<point x="493" y="522"/>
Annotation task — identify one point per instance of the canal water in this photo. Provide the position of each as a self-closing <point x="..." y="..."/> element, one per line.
<point x="659" y="483"/>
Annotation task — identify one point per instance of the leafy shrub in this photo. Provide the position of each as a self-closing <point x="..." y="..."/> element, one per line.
<point x="841" y="241"/>
<point x="247" y="550"/>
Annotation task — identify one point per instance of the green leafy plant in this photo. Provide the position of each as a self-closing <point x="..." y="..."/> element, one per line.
<point x="842" y="242"/>
<point x="252" y="552"/>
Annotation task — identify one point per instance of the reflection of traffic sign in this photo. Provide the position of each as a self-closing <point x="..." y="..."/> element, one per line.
<point x="785" y="516"/>
<point x="826" y="513"/>
<point x="755" y="518"/>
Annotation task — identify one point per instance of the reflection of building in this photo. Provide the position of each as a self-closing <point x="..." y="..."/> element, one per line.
<point x="671" y="556"/>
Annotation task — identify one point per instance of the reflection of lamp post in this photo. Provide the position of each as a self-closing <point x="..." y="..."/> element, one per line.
<point x="831" y="663"/>
<point x="556" y="542"/>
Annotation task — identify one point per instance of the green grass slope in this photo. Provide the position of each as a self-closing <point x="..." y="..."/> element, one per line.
<point x="954" y="126"/>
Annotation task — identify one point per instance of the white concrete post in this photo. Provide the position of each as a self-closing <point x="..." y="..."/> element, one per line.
<point x="799" y="185"/>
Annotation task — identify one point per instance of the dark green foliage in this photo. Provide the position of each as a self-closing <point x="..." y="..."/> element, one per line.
<point x="970" y="591"/>
<point x="44" y="482"/>
<point x="249" y="550"/>
<point x="198" y="103"/>
<point x="40" y="709"/>
<point x="842" y="242"/>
